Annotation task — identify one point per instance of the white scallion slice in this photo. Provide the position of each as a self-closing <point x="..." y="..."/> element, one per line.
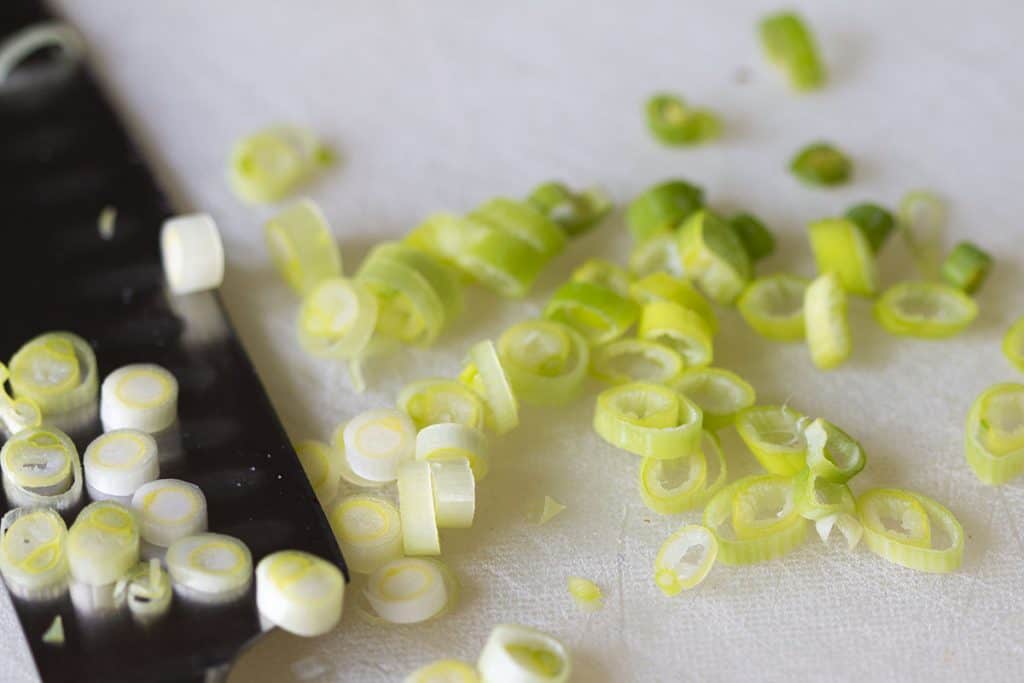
<point x="454" y="493"/>
<point x="344" y="469"/>
<point x="192" y="252"/>
<point x="453" y="441"/>
<point x="146" y="589"/>
<point x="210" y="568"/>
<point x="444" y="671"/>
<point x="103" y="544"/>
<point x="377" y="442"/>
<point x="33" y="553"/>
<point x="685" y="559"/>
<point x="520" y="654"/>
<point x="119" y="462"/>
<point x="57" y="370"/>
<point x="16" y="414"/>
<point x="322" y="465"/>
<point x="487" y="376"/>
<point x="169" y="509"/>
<point x="142" y="396"/>
<point x="41" y="468"/>
<point x="368" y="530"/>
<point x="417" y="509"/>
<point x="299" y="592"/>
<point x="407" y="590"/>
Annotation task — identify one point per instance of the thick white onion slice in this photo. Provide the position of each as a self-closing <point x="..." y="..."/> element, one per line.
<point x="169" y="509"/>
<point x="119" y="462"/>
<point x="520" y="654"/>
<point x="416" y="508"/>
<point x="103" y="543"/>
<point x="407" y="590"/>
<point x="368" y="530"/>
<point x="33" y="553"/>
<point x="299" y="592"/>
<point x="142" y="396"/>
<point x="454" y="493"/>
<point x="377" y="442"/>
<point x="192" y="252"/>
<point x="210" y="568"/>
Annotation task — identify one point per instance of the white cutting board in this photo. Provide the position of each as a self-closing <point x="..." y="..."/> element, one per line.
<point x="442" y="105"/>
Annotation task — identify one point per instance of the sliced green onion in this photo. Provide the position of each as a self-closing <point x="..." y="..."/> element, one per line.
<point x="678" y="328"/>
<point x="927" y="310"/>
<point x="775" y="435"/>
<point x="209" y="568"/>
<point x="524" y="222"/>
<point x="666" y="287"/>
<point x="763" y="505"/>
<point x="269" y="164"/>
<point x="337" y="320"/>
<point x="322" y="465"/>
<point x="442" y="279"/>
<point x="16" y="414"/>
<point x="825" y="322"/>
<point x="922" y="219"/>
<point x="832" y="453"/>
<point x="521" y="654"/>
<point x="546" y="361"/>
<point x="713" y="255"/>
<point x="573" y="212"/>
<point x="378" y="442"/>
<point x="443" y="236"/>
<point x="54" y="634"/>
<point x="407" y="590"/>
<point x="685" y="559"/>
<point x="57" y="370"/>
<point x="41" y="468"/>
<point x="789" y="44"/>
<point x="841" y="247"/>
<point x="669" y="487"/>
<point x="192" y="254"/>
<point x="720" y="394"/>
<point x="757" y="239"/>
<point x="435" y="401"/>
<point x="444" y="671"/>
<point x="487" y="376"/>
<point x="169" y="509"/>
<point x="827" y="504"/>
<point x="454" y="493"/>
<point x="776" y="540"/>
<point x="417" y="509"/>
<point x="103" y="543"/>
<point x="299" y="592"/>
<point x="33" y="553"/>
<point x="663" y="207"/>
<point x="821" y="164"/>
<point x="897" y="527"/>
<point x="672" y="122"/>
<point x="450" y="441"/>
<point x="1013" y="344"/>
<point x="585" y="593"/>
<point x="649" y="420"/>
<point x="368" y="530"/>
<point x="146" y="588"/>
<point x="629" y="360"/>
<point x="604" y="273"/>
<point x="143" y="396"/>
<point x="596" y="312"/>
<point x="875" y="222"/>
<point x="774" y="306"/>
<point x="408" y="307"/>
<point x="658" y="253"/>
<point x="966" y="267"/>
<point x="119" y="462"/>
<point x="302" y="247"/>
<point x="994" y="438"/>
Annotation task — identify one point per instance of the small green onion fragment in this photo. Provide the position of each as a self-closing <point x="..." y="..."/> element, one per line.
<point x="789" y="44"/>
<point x="994" y="436"/>
<point x="922" y="220"/>
<point x="54" y="634"/>
<point x="713" y="256"/>
<point x="662" y="208"/>
<point x="545" y="510"/>
<point x="825" y="319"/>
<point x="821" y="164"/>
<point x="1013" y="344"/>
<point x="757" y="239"/>
<point x="574" y="212"/>
<point x="774" y="306"/>
<point x="585" y="593"/>
<point x="966" y="267"/>
<point x="106" y="223"/>
<point x="875" y="222"/>
<point x="842" y="248"/>
<point x="672" y="122"/>
<point x="927" y="310"/>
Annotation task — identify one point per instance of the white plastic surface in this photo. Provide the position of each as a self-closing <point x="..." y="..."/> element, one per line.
<point x="443" y="105"/>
